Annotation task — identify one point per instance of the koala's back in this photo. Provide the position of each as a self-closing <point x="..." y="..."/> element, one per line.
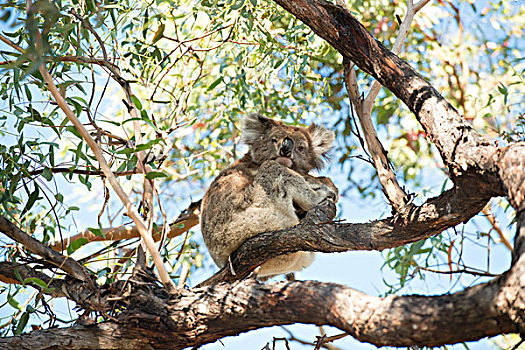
<point x="235" y="208"/>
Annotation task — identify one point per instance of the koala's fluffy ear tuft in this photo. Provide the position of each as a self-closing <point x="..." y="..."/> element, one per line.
<point x="322" y="139"/>
<point x="253" y="126"/>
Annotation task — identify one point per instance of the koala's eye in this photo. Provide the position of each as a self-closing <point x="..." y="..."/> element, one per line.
<point x="274" y="140"/>
<point x="301" y="149"/>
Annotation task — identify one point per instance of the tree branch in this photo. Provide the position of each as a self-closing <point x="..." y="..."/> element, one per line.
<point x="391" y="188"/>
<point x="413" y="224"/>
<point x="72" y="289"/>
<point x="64" y="263"/>
<point x="196" y="317"/>
<point x="186" y="220"/>
<point x="363" y="108"/>
<point x="462" y="149"/>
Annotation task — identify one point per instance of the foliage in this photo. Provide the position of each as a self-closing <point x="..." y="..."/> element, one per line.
<point x="193" y="69"/>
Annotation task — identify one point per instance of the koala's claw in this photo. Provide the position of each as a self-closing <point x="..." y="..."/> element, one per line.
<point x="332" y="196"/>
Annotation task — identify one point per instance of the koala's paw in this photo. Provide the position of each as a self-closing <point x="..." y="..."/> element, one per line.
<point x="324" y="192"/>
<point x="328" y="182"/>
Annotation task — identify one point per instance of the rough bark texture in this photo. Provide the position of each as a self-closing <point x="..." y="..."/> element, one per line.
<point x="203" y="315"/>
<point x="151" y="318"/>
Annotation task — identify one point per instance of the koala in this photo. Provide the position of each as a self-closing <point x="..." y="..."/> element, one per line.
<point x="268" y="189"/>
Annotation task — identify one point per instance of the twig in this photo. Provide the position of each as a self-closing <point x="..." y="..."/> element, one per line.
<point x="492" y="220"/>
<point x="12" y="44"/>
<point x="464" y="270"/>
<point x="82" y="171"/>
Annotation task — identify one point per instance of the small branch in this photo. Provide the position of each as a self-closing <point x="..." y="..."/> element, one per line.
<point x="64" y="263"/>
<point x="418" y="6"/>
<point x="12" y="44"/>
<point x="88" y="26"/>
<point x="131" y="209"/>
<point x="495" y="226"/>
<point x="393" y="191"/>
<point x="82" y="171"/>
<point x="186" y="220"/>
<point x="464" y="270"/>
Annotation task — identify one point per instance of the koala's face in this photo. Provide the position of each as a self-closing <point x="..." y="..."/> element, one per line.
<point x="301" y="149"/>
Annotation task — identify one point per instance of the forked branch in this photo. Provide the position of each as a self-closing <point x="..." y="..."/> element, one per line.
<point x="363" y="108"/>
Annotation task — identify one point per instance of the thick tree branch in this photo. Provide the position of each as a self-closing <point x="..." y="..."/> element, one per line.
<point x="199" y="316"/>
<point x="462" y="149"/>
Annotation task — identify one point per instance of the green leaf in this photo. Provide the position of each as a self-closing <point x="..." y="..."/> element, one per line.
<point x="237" y="4"/>
<point x="76" y="244"/>
<point x="31" y="200"/>
<point x="215" y="83"/>
<point x="96" y="231"/>
<point x="35" y="115"/>
<point x="126" y="151"/>
<point x="30" y="309"/>
<point x="12" y="301"/>
<point x="136" y="102"/>
<point x="59" y="197"/>
<point x="47" y="174"/>
<point x="21" y="323"/>
<point x="38" y="282"/>
<point x="155" y="174"/>
<point x="159" y="33"/>
<point x="74" y="131"/>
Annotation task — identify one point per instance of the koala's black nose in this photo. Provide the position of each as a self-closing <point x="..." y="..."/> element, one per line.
<point x="286" y="147"/>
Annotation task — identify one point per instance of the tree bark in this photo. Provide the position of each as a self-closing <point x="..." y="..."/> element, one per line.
<point x="203" y="315"/>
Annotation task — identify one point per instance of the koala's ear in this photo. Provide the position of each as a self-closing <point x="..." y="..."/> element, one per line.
<point x="322" y="139"/>
<point x="254" y="125"/>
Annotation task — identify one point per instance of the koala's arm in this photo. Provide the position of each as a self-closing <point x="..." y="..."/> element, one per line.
<point x="280" y="181"/>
